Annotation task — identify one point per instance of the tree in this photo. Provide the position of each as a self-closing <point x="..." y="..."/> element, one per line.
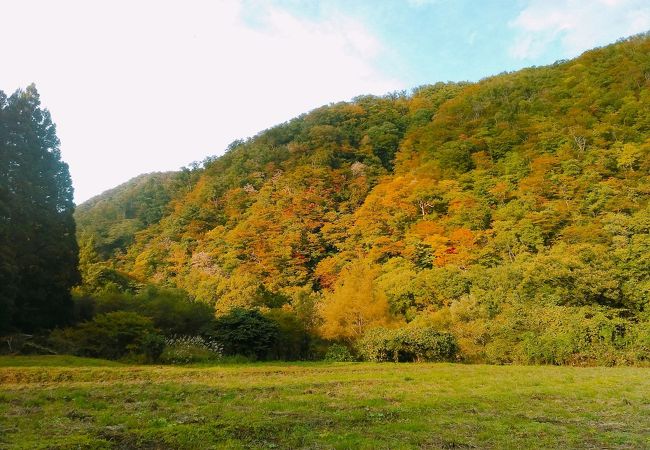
<point x="38" y="260"/>
<point x="7" y="264"/>
<point x="355" y="305"/>
<point x="246" y="332"/>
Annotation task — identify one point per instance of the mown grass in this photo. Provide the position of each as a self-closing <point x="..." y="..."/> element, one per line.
<point x="76" y="403"/>
<point x="54" y="361"/>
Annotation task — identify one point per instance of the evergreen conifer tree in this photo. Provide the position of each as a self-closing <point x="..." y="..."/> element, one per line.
<point x="38" y="247"/>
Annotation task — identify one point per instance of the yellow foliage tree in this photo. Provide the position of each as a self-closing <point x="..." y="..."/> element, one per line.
<point x="355" y="305"/>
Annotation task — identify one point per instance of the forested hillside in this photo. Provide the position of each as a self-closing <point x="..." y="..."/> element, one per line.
<point x="511" y="214"/>
<point x="113" y="218"/>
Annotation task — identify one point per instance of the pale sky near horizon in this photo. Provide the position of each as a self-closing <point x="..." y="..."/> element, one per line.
<point x="152" y="85"/>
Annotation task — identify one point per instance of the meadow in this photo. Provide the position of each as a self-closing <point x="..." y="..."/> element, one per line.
<point x="66" y="402"/>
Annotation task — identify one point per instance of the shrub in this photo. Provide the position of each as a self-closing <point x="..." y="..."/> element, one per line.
<point x="171" y="310"/>
<point x="112" y="336"/>
<point x="152" y="347"/>
<point x="407" y="344"/>
<point x="640" y="348"/>
<point x="377" y="345"/>
<point x="246" y="332"/>
<point x="338" y="353"/>
<point x="427" y="344"/>
<point x="564" y="335"/>
<point x="293" y="340"/>
<point x="191" y="349"/>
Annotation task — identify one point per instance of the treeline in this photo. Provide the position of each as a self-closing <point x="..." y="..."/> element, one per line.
<point x="165" y="325"/>
<point x="511" y="214"/>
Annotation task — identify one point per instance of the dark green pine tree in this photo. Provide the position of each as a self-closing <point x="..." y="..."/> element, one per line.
<point x="7" y="260"/>
<point x="38" y="247"/>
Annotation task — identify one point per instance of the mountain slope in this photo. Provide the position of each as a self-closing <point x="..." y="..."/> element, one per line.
<point x="511" y="211"/>
<point x="113" y="217"/>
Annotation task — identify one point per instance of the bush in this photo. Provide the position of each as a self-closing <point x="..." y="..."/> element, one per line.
<point x="191" y="349"/>
<point x="111" y="336"/>
<point x="564" y="335"/>
<point x="339" y="353"/>
<point x="407" y="345"/>
<point x="171" y="310"/>
<point x="293" y="340"/>
<point x="247" y="333"/>
<point x="579" y="337"/>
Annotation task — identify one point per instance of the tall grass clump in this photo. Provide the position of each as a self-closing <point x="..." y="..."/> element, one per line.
<point x="191" y="349"/>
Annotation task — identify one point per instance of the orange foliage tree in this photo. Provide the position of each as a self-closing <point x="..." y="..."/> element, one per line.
<point x="355" y="305"/>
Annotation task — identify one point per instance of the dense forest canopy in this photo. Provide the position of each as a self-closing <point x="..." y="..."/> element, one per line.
<point x="113" y="218"/>
<point x="511" y="214"/>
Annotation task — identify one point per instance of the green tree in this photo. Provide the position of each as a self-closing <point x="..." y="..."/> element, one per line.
<point x="8" y="268"/>
<point x="39" y="249"/>
<point x="246" y="332"/>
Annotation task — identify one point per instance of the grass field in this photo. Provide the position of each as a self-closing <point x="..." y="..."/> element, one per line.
<point x="66" y="402"/>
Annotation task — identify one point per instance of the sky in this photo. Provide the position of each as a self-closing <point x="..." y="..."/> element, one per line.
<point x="137" y="86"/>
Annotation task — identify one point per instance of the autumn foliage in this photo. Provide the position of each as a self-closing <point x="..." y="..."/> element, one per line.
<point x="492" y="211"/>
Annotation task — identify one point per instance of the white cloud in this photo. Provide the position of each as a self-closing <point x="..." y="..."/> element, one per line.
<point x="576" y="25"/>
<point x="136" y="86"/>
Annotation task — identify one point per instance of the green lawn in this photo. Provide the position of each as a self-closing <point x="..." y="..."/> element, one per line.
<point x="65" y="402"/>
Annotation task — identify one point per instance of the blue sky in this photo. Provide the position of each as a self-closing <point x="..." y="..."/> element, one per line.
<point x="152" y="85"/>
<point x="425" y="42"/>
<point x="440" y="40"/>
